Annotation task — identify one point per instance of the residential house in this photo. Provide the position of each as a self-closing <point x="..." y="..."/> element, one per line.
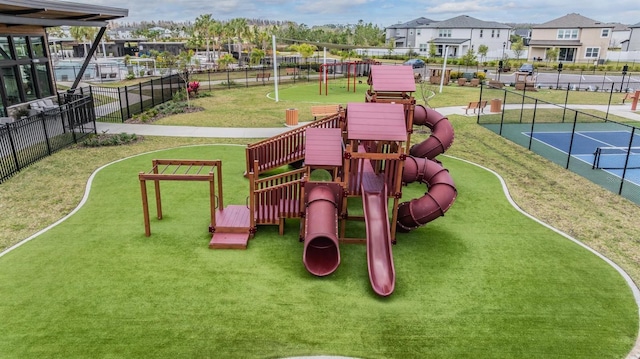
<point x="404" y="35"/>
<point x="634" y="38"/>
<point x="619" y="35"/>
<point x="578" y="39"/>
<point x="461" y="34"/>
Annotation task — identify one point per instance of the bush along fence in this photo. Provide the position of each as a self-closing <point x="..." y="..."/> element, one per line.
<point x="32" y="138"/>
<point x="591" y="144"/>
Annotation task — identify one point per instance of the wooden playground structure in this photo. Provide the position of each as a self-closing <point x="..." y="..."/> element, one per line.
<point x="366" y="150"/>
<point x="353" y="70"/>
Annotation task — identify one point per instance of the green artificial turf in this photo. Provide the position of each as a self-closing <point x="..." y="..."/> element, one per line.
<point x="484" y="281"/>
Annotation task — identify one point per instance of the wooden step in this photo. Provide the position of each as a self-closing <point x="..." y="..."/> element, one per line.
<point x="229" y="241"/>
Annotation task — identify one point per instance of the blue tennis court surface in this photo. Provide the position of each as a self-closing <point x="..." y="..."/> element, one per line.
<point x="586" y="143"/>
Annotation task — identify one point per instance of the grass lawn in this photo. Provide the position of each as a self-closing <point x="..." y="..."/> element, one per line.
<point x="483" y="281"/>
<point x="487" y="283"/>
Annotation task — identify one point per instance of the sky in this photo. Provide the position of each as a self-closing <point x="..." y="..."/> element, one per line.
<point x="382" y="13"/>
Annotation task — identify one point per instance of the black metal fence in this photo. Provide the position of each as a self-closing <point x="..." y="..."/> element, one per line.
<point x="30" y="139"/>
<point x="117" y="104"/>
<point x="568" y="136"/>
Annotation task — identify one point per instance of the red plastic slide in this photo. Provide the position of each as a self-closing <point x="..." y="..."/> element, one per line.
<point x="420" y="167"/>
<point x="321" y="254"/>
<point x="382" y="273"/>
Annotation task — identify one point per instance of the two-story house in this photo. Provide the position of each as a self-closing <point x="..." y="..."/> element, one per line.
<point x="461" y="34"/>
<point x="634" y="38"/>
<point x="578" y="39"/>
<point x="403" y="35"/>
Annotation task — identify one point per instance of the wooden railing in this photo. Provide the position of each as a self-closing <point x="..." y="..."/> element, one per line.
<point x="285" y="148"/>
<point x="274" y="198"/>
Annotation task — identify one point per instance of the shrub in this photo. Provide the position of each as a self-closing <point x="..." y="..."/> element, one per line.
<point x="105" y="139"/>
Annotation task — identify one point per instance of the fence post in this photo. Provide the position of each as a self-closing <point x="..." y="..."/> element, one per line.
<point x="573" y="134"/>
<point x="153" y="100"/>
<point x="626" y="161"/>
<point x="126" y="98"/>
<point x="140" y="95"/>
<point x="14" y="152"/>
<point x="504" y="109"/>
<point x="533" y="123"/>
<point x="46" y="134"/>
<point x="606" y="117"/>
<point x="566" y="99"/>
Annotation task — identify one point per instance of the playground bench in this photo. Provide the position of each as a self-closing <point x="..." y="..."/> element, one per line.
<point x="628" y="96"/>
<point x="291" y="71"/>
<point x="263" y="75"/>
<point x="475" y="105"/>
<point x="324" y="110"/>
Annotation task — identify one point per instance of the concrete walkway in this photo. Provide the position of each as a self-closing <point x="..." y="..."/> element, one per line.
<point x="231" y="132"/>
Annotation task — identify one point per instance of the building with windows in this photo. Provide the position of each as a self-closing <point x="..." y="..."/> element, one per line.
<point x="577" y="38"/>
<point x="25" y="61"/>
<point x="459" y="35"/>
<point x="403" y="35"/>
<point x="633" y="44"/>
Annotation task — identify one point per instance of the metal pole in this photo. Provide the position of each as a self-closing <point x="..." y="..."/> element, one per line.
<point x="275" y="66"/>
<point x="444" y="67"/>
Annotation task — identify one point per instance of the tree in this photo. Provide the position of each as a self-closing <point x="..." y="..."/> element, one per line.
<point x="305" y="50"/>
<point x="552" y="54"/>
<point x="204" y="28"/>
<point x="469" y="58"/>
<point x="184" y="66"/>
<point x="482" y="51"/>
<point x="433" y="50"/>
<point x="391" y="45"/>
<point x="225" y="60"/>
<point x="517" y="48"/>
<point x="256" y="56"/>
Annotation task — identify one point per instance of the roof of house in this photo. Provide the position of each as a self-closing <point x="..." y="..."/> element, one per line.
<point x="559" y="43"/>
<point x="572" y="20"/>
<point x="636" y="25"/>
<point x="467" y="22"/>
<point x="412" y="24"/>
<point x="57" y="13"/>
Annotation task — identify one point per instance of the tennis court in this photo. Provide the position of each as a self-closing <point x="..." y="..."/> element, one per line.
<point x="609" y="151"/>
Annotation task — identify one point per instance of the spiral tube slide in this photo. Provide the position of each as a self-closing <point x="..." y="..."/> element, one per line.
<point x="420" y="166"/>
<point x="441" y="195"/>
<point x="321" y="254"/>
<point x="441" y="133"/>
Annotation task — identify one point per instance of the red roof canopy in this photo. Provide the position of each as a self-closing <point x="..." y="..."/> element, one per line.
<point x="392" y="78"/>
<point x="376" y="121"/>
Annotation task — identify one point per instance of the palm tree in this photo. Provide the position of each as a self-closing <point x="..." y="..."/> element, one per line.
<point x="203" y="27"/>
<point x="239" y="29"/>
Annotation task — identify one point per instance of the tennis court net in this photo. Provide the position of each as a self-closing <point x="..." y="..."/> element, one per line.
<point x="611" y="158"/>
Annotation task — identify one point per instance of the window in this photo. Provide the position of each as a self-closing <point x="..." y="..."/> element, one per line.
<point x="10" y="86"/>
<point x="418" y="32"/>
<point x="25" y="71"/>
<point x="592" y="52"/>
<point x="37" y="50"/>
<point x="20" y="44"/>
<point x="566" y="54"/>
<point x="410" y="32"/>
<point x="481" y="32"/>
<point x="424" y="48"/>
<point x="498" y="34"/>
<point x="5" y="50"/>
<point x="567" y="34"/>
<point x="604" y="33"/>
<point x="444" y="33"/>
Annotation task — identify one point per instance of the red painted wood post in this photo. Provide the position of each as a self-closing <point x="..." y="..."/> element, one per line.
<point x="634" y="104"/>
